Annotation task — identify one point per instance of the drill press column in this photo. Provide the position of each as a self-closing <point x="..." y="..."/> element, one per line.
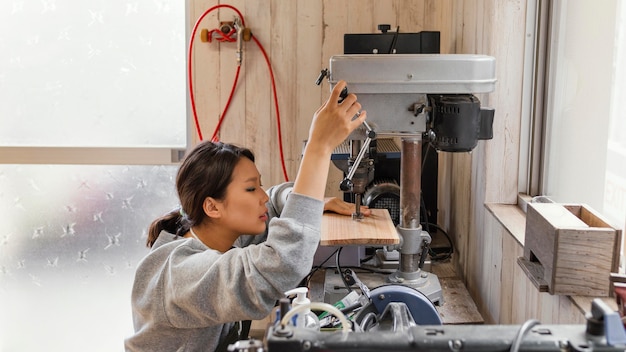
<point x="414" y="240"/>
<point x="410" y="182"/>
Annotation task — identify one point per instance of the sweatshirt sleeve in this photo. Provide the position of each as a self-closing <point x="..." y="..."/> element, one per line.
<point x="207" y="287"/>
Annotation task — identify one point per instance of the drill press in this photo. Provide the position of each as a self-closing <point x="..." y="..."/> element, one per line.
<point x="414" y="96"/>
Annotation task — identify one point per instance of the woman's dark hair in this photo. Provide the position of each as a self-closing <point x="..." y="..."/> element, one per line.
<point x="205" y="172"/>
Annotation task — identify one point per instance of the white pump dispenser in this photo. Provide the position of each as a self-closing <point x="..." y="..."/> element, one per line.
<point x="307" y="319"/>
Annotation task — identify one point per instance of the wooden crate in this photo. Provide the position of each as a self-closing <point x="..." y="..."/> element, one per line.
<point x="569" y="250"/>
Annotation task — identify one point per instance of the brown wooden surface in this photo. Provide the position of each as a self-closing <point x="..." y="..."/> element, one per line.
<point x="376" y="229"/>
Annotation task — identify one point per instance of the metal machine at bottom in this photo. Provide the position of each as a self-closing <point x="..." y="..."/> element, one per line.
<point x="604" y="331"/>
<point x="482" y="338"/>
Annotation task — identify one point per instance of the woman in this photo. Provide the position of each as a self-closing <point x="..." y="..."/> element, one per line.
<point x="194" y="286"/>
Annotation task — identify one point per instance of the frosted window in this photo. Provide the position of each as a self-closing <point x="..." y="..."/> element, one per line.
<point x="70" y="240"/>
<point x="92" y="73"/>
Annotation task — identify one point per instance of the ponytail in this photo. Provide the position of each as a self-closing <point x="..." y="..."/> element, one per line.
<point x="172" y="222"/>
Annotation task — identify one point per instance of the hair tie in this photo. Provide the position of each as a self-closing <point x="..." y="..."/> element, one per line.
<point x="182" y="212"/>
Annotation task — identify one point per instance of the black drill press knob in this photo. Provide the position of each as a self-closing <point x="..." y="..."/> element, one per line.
<point x="346" y="185"/>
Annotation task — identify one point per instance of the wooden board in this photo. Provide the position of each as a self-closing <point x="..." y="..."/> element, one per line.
<point x="377" y="228"/>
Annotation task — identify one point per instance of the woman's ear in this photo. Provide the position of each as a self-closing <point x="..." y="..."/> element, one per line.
<point x="211" y="208"/>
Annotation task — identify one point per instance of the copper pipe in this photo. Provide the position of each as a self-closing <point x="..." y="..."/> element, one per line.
<point x="410" y="191"/>
<point x="410" y="182"/>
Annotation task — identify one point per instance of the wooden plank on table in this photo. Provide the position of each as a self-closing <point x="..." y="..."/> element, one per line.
<point x="377" y="228"/>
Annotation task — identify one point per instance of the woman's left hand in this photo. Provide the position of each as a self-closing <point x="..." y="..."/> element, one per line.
<point x="339" y="206"/>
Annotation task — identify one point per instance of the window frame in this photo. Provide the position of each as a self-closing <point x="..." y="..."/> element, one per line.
<point x="91" y="155"/>
<point x="535" y="100"/>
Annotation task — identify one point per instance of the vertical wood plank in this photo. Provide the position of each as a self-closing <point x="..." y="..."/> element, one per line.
<point x="468" y="42"/>
<point x="384" y="12"/>
<point x="310" y="31"/>
<point x="470" y="250"/>
<point x="283" y="44"/>
<point x="459" y="209"/>
<point x="507" y="277"/>
<point x="411" y="15"/>
<point x="439" y="16"/>
<point x="259" y="122"/>
<point x="568" y="313"/>
<point x="205" y="69"/>
<point x="521" y="286"/>
<point x="360" y="19"/>
<point x="496" y="264"/>
<point x="506" y="43"/>
<point x="482" y="26"/>
<point x="459" y="25"/>
<point x="335" y="18"/>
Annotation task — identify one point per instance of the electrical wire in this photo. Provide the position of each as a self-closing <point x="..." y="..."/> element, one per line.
<point x="307" y="279"/>
<point x="393" y="41"/>
<point x="523" y="330"/>
<point x="232" y="91"/>
<point x="343" y="279"/>
<point x="444" y="256"/>
<point x="427" y="224"/>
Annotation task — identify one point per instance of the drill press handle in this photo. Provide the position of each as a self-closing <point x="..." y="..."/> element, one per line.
<point x="347" y="185"/>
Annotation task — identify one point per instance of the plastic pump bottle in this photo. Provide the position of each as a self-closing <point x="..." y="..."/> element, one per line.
<point x="307" y="319"/>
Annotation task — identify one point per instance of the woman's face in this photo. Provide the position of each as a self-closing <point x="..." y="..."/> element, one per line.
<point x="244" y="209"/>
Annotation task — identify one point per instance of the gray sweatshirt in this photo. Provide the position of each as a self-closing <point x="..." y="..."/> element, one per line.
<point x="186" y="296"/>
